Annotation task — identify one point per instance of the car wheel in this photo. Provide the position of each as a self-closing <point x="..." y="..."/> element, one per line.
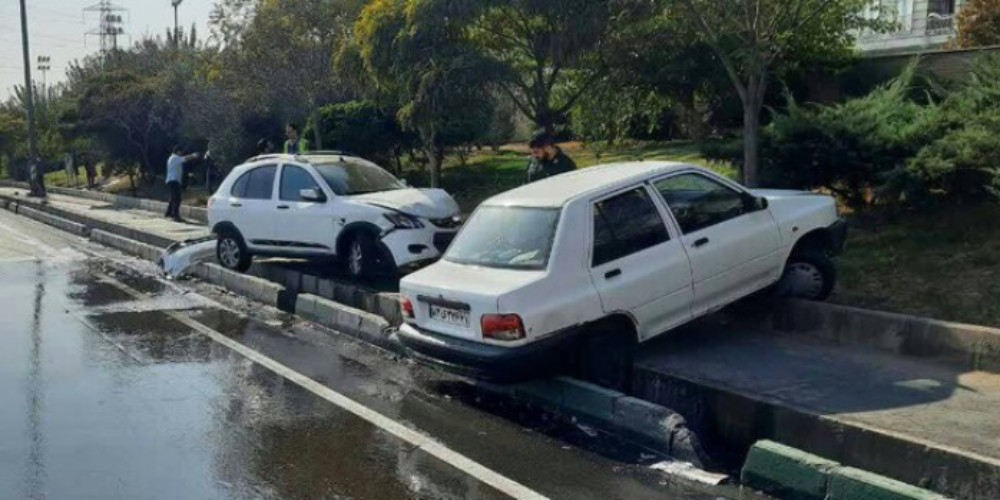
<point x="606" y="358"/>
<point x="809" y="276"/>
<point x="232" y="251"/>
<point x="361" y="259"/>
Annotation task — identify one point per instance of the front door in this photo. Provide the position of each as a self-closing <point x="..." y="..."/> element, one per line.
<point x="733" y="248"/>
<point x="637" y="266"/>
<point x="304" y="226"/>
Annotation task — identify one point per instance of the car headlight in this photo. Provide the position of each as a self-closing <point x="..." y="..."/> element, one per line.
<point x="403" y="221"/>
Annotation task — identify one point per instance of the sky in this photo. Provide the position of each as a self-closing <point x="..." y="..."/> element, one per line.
<point x="56" y="29"/>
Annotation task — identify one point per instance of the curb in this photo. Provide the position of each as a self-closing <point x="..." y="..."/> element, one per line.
<point x="137" y="248"/>
<point x="58" y="222"/>
<point x="649" y="424"/>
<point x="786" y="472"/>
<point x="972" y="346"/>
<point x="363" y="325"/>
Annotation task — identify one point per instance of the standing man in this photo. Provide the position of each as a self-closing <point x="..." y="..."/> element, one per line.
<point x="295" y="144"/>
<point x="547" y="159"/>
<point x="175" y="173"/>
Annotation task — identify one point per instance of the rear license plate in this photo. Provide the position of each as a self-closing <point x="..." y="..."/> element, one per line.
<point x="450" y="316"/>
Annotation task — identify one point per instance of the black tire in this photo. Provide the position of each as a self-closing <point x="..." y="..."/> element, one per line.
<point x="605" y="358"/>
<point x="361" y="256"/>
<point x="231" y="251"/>
<point x="809" y="276"/>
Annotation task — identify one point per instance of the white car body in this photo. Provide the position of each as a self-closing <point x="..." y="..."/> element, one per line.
<point x="278" y="220"/>
<point x="653" y="289"/>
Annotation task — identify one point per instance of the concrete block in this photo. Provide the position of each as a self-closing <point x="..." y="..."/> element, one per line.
<point x="588" y="399"/>
<point x="305" y="306"/>
<point x="652" y="422"/>
<point x="848" y="483"/>
<point x="786" y="472"/>
<point x="310" y="284"/>
<point x="387" y="306"/>
<point x="343" y="293"/>
<point x="366" y="300"/>
<point x="348" y="319"/>
<point x="268" y="292"/>
<point x="373" y="327"/>
<point x="215" y="274"/>
<point x="325" y="289"/>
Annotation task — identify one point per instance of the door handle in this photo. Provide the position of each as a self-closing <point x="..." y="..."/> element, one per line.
<point x="700" y="242"/>
<point x="614" y="273"/>
<point x="237" y="205"/>
<point x="282" y="207"/>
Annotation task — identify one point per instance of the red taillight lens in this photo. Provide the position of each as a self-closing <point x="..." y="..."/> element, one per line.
<point x="504" y="327"/>
<point x="210" y="201"/>
<point x="407" y="307"/>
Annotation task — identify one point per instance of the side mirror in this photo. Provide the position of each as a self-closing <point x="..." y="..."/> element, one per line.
<point x="753" y="203"/>
<point x="312" y="194"/>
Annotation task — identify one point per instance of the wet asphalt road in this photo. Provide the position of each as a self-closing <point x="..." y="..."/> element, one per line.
<point x="107" y="390"/>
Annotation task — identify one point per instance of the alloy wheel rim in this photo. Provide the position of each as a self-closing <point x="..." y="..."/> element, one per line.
<point x="230" y="253"/>
<point x="802" y="280"/>
<point x="356" y="258"/>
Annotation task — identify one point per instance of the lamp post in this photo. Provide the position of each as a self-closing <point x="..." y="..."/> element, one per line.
<point x="177" y="36"/>
<point x="29" y="101"/>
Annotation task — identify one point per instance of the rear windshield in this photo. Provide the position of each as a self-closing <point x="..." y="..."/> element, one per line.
<point x="346" y="179"/>
<point x="506" y="237"/>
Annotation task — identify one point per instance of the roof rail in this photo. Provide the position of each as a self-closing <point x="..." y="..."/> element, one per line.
<point x="265" y="157"/>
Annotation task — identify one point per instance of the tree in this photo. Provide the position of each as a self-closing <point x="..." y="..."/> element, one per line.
<point x="418" y="58"/>
<point x="752" y="37"/>
<point x="549" y="52"/>
<point x="978" y="24"/>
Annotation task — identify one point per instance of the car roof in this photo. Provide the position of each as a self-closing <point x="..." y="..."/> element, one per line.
<point x="558" y="190"/>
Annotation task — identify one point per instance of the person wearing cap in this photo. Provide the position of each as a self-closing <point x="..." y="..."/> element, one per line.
<point x="547" y="159"/>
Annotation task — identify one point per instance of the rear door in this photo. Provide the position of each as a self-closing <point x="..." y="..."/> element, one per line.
<point x="733" y="248"/>
<point x="637" y="265"/>
<point x="252" y="205"/>
<point x="303" y="225"/>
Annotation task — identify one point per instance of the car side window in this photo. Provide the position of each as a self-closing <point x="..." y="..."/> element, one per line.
<point x="293" y="180"/>
<point x="626" y="224"/>
<point x="261" y="184"/>
<point x="698" y="202"/>
<point x="240" y="186"/>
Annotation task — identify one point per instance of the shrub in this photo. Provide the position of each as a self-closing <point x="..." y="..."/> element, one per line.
<point x="361" y="128"/>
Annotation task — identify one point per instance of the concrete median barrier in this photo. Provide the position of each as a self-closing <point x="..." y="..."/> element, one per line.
<point x="127" y="245"/>
<point x="51" y="220"/>
<point x="355" y="322"/>
<point x="786" y="472"/>
<point x="848" y="483"/>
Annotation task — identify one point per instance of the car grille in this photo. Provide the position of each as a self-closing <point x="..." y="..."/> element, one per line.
<point x="442" y="240"/>
<point x="447" y="222"/>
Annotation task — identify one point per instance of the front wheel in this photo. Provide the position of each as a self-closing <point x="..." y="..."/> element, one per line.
<point x="363" y="258"/>
<point x="809" y="276"/>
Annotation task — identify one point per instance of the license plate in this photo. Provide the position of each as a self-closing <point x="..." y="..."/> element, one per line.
<point x="450" y="316"/>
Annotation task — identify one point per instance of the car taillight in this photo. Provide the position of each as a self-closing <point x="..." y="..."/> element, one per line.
<point x="407" y="307"/>
<point x="504" y="327"/>
<point x="210" y="201"/>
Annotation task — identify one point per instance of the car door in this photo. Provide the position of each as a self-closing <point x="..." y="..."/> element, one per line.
<point x="303" y="225"/>
<point x="637" y="265"/>
<point x="732" y="244"/>
<point x="252" y="206"/>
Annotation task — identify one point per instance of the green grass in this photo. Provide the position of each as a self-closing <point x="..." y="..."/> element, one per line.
<point x="942" y="263"/>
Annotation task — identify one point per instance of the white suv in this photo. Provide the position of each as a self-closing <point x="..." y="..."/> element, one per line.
<point x="583" y="265"/>
<point x="329" y="204"/>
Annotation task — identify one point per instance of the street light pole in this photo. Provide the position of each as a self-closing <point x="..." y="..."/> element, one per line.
<point x="177" y="35"/>
<point x="29" y="101"/>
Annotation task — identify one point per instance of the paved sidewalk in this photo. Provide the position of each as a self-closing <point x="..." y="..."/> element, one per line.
<point x="136" y="219"/>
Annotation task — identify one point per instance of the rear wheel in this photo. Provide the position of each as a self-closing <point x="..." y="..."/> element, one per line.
<point x="809" y="276"/>
<point x="232" y="251"/>
<point x="605" y="357"/>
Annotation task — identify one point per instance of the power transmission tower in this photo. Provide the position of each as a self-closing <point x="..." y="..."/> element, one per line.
<point x="109" y="24"/>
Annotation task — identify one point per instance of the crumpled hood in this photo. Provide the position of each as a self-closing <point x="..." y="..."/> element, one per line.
<point x="427" y="203"/>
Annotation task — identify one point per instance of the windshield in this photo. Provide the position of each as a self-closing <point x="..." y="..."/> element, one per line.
<point x="357" y="178"/>
<point x="508" y="237"/>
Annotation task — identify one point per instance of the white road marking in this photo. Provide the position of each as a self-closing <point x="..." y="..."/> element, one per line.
<point x="414" y="437"/>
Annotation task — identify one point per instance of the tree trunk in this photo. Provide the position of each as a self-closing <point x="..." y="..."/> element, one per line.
<point x="317" y="131"/>
<point x="435" y="155"/>
<point x="751" y="130"/>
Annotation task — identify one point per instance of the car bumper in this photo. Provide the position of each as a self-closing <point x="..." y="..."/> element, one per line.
<point x="838" y="233"/>
<point x="485" y="361"/>
<point x="415" y="248"/>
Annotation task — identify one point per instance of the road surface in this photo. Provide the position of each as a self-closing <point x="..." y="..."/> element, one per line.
<point x="116" y="384"/>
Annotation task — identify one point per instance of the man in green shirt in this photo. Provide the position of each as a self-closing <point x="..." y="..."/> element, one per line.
<point x="547" y="159"/>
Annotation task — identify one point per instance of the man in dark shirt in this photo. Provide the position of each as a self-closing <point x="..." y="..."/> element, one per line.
<point x="547" y="159"/>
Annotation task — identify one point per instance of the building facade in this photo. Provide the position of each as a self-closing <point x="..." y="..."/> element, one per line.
<point x="920" y="25"/>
